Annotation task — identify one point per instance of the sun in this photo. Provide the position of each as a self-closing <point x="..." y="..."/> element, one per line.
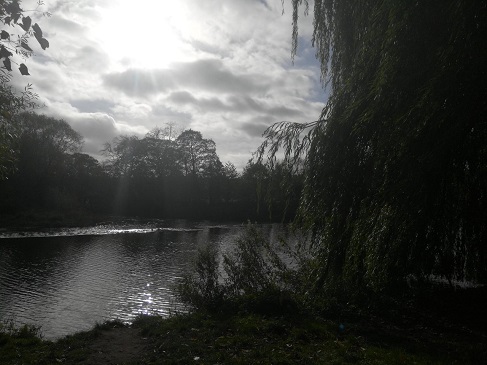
<point x="145" y="33"/>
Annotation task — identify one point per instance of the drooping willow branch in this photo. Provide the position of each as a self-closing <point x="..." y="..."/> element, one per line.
<point x="288" y="138"/>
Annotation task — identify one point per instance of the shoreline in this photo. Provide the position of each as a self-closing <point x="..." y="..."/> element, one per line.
<point x="243" y="337"/>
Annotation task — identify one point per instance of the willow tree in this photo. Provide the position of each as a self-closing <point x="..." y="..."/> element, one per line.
<point x="396" y="166"/>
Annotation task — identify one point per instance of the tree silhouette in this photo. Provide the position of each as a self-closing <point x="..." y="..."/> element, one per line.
<point x="44" y="146"/>
<point x="197" y="155"/>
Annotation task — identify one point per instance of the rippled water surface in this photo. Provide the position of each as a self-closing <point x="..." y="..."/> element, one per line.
<point x="66" y="283"/>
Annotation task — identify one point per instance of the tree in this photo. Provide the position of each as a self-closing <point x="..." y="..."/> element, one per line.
<point x="169" y="132"/>
<point x="163" y="152"/>
<point x="87" y="181"/>
<point x="230" y="171"/>
<point x="14" y="18"/>
<point x="83" y="165"/>
<point x="158" y="171"/>
<point x="255" y="178"/>
<point x="44" y="146"/>
<point x="14" y="48"/>
<point x="44" y="141"/>
<point x="198" y="155"/>
<point x="395" y="167"/>
<point x="127" y="156"/>
<point x="153" y="156"/>
<point x="229" y="186"/>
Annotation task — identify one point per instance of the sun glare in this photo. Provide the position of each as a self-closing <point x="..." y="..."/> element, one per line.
<point x="145" y="33"/>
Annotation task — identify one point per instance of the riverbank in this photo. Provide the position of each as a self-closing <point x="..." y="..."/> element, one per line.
<point x="249" y="338"/>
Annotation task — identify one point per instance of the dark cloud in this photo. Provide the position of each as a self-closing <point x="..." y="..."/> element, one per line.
<point x="207" y="104"/>
<point x="212" y="75"/>
<point x="241" y="104"/>
<point x="97" y="127"/>
<point x="207" y="75"/>
<point x="256" y="126"/>
<point x="62" y="24"/>
<point x="284" y="112"/>
<point x="134" y="82"/>
<point x="91" y="106"/>
<point x="244" y="103"/>
<point x="183" y="98"/>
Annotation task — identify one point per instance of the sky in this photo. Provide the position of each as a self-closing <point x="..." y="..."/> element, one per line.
<point x="221" y="67"/>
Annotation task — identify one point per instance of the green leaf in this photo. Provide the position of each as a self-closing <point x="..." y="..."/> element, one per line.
<point x="37" y="30"/>
<point x="25" y="46"/>
<point x="23" y="69"/>
<point x="38" y="34"/>
<point x="26" y="22"/>
<point x="4" y="52"/>
<point x="43" y="42"/>
<point x="4" y="35"/>
<point x="7" y="64"/>
<point x="13" y="8"/>
<point x="16" y="17"/>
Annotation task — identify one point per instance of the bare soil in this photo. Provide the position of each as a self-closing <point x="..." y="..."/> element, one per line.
<point x="118" y="346"/>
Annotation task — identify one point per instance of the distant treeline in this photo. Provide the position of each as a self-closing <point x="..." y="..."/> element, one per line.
<point x="159" y="176"/>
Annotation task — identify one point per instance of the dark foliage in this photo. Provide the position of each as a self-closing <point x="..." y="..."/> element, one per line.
<point x="395" y="168"/>
<point x="158" y="176"/>
<point x="16" y="30"/>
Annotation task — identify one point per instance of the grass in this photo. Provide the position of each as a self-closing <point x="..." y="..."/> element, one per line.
<point x="249" y="338"/>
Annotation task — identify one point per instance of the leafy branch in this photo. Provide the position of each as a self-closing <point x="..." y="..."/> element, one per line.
<point x="287" y="137"/>
<point x="12" y="15"/>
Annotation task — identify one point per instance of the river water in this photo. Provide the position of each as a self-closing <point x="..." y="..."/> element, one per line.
<point x="67" y="280"/>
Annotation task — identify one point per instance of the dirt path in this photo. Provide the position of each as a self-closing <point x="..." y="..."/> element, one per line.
<point x="118" y="346"/>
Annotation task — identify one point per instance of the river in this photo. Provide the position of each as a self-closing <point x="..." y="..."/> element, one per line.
<point x="68" y="280"/>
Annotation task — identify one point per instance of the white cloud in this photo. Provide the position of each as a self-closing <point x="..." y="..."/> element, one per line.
<point x="223" y="68"/>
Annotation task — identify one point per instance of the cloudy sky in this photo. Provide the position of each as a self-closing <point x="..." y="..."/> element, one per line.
<point x="222" y="67"/>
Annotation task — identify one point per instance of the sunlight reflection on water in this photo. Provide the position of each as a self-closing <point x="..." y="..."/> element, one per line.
<point x="67" y="282"/>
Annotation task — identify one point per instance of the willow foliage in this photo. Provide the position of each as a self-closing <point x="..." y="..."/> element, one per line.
<point x="396" y="167"/>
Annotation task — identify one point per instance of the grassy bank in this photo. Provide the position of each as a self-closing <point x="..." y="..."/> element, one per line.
<point x="248" y="338"/>
<point x="262" y="313"/>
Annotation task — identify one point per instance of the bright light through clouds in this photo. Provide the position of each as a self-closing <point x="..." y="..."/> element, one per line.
<point x="145" y="33"/>
<point x="219" y="67"/>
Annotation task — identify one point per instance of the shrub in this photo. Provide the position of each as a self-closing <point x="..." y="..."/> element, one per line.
<point x="201" y="288"/>
<point x="256" y="275"/>
<point x="9" y="328"/>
